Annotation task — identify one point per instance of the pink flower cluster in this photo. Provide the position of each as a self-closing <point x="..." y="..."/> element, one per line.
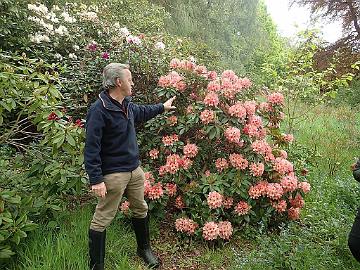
<point x="242" y="208"/>
<point x="210" y="231"/>
<point x="280" y="206"/>
<point x="228" y="202"/>
<point x="186" y="225"/>
<point x="293" y="213"/>
<point x="288" y="137"/>
<point x="283" y="166"/>
<point x="207" y="116"/>
<point x="238" y="161"/>
<point x="257" y="169"/>
<point x="184" y="64"/>
<point x="155" y="192"/>
<point x="297" y="202"/>
<point x="174" y="163"/>
<point x="171" y="189"/>
<point x="274" y="191"/>
<point x="261" y="147"/>
<point x="289" y="183"/>
<point x="190" y="150"/>
<point x="124" y="207"/>
<point x="275" y="98"/>
<point x="250" y="107"/>
<point x="154" y="154"/>
<point x="214" y="86"/>
<point x="211" y="99"/>
<point x="179" y="202"/>
<point x="214" y="200"/>
<point x="173" y="79"/>
<point x="238" y="110"/>
<point x="225" y="230"/>
<point x="232" y="134"/>
<point x="172" y="120"/>
<point x="305" y="186"/>
<point x="260" y="189"/>
<point x="221" y="164"/>
<point x="170" y="140"/>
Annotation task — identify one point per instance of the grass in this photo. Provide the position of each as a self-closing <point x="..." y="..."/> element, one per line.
<point x="318" y="241"/>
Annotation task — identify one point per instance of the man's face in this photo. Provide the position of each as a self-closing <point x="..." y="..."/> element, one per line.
<point x="126" y="83"/>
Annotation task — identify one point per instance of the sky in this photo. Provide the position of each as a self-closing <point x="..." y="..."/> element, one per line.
<point x="287" y="18"/>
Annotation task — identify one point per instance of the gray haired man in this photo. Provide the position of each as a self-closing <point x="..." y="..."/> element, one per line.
<point x="112" y="161"/>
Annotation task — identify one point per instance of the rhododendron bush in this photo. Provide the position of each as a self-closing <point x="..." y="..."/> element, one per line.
<point x="219" y="161"/>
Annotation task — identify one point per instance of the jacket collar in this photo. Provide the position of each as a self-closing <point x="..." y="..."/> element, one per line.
<point x="106" y="102"/>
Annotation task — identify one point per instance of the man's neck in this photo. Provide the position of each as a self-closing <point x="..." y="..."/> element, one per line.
<point x="116" y="95"/>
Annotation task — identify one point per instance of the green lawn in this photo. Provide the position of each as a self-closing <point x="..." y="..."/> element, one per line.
<point x="318" y="241"/>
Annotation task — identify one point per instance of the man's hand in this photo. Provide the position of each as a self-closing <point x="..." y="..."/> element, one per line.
<point x="99" y="189"/>
<point x="168" y="104"/>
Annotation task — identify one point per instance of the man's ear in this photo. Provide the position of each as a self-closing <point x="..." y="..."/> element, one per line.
<point x="118" y="82"/>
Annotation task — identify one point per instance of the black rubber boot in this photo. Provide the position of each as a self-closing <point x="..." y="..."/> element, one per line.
<point x="97" y="249"/>
<point x="141" y="228"/>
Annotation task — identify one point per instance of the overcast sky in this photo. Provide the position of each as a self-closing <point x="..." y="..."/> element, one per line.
<point x="287" y="18"/>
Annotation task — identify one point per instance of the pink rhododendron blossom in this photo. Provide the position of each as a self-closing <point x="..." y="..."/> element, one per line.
<point x="250" y="107"/>
<point x="297" y="202"/>
<point x="238" y="110"/>
<point x="261" y="147"/>
<point x="147" y="187"/>
<point x="175" y="63"/>
<point x="207" y="173"/>
<point x="155" y="192"/>
<point x="274" y="191"/>
<point x="258" y="190"/>
<point x="288" y="137"/>
<point x="213" y="86"/>
<point x="283" y="166"/>
<point x="124" y="207"/>
<point x="190" y="150"/>
<point x="179" y="202"/>
<point x="210" y="231"/>
<point x="257" y="169"/>
<point x="212" y="75"/>
<point x="173" y="79"/>
<point x="255" y="120"/>
<point x="305" y="186"/>
<point x="186" y="225"/>
<point x="221" y="164"/>
<point x="214" y="200"/>
<point x="172" y="120"/>
<point x="246" y="82"/>
<point x="200" y="70"/>
<point x="185" y="163"/>
<point x="228" y="202"/>
<point x="265" y="107"/>
<point x="276" y="99"/>
<point x="280" y="206"/>
<point x="171" y="189"/>
<point x="289" y="183"/>
<point x="238" y="161"/>
<point x="207" y="116"/>
<point x="242" y="208"/>
<point x="189" y="109"/>
<point x="149" y="176"/>
<point x="283" y="154"/>
<point x="170" y="140"/>
<point x="294" y="213"/>
<point x="232" y="134"/>
<point x="229" y="74"/>
<point x="187" y="65"/>
<point x="225" y="229"/>
<point x="211" y="99"/>
<point x="154" y="153"/>
<point x="251" y="130"/>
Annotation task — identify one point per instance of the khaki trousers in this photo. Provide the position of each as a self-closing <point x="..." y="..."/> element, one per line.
<point x="117" y="184"/>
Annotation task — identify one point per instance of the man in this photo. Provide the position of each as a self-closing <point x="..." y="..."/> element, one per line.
<point x="354" y="235"/>
<point x="112" y="161"/>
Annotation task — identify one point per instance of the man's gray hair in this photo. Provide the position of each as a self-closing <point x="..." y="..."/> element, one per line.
<point x="111" y="72"/>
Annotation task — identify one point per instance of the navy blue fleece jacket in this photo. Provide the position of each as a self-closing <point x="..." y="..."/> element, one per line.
<point x="111" y="144"/>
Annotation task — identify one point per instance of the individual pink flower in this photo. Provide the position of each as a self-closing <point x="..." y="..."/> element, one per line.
<point x="154" y="153"/>
<point x="147" y="187"/>
<point x="171" y="189"/>
<point x="255" y="120"/>
<point x="124" y="207"/>
<point x="274" y="191"/>
<point x="232" y="134"/>
<point x="185" y="163"/>
<point x="225" y="230"/>
<point x="276" y="99"/>
<point x="207" y="173"/>
<point x="280" y="206"/>
<point x="238" y="161"/>
<point x="257" y="169"/>
<point x="221" y="164"/>
<point x="242" y="208"/>
<point x="210" y="231"/>
<point x="213" y="86"/>
<point x="250" y="107"/>
<point x="92" y="46"/>
<point x="170" y="140"/>
<point x="214" y="200"/>
<point x="228" y="202"/>
<point x="237" y="110"/>
<point x="211" y="99"/>
<point x="212" y="75"/>
<point x="305" y="186"/>
<point x="207" y="116"/>
<point x="190" y="150"/>
<point x="294" y="213"/>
